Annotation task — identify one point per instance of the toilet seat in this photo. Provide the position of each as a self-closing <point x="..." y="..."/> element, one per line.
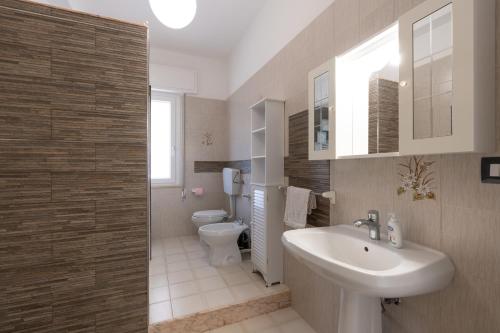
<point x="210" y="213"/>
<point x="204" y="217"/>
<point x="222" y="229"/>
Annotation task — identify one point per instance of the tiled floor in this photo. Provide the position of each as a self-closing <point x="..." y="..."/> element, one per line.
<point x="281" y="321"/>
<point x="182" y="282"/>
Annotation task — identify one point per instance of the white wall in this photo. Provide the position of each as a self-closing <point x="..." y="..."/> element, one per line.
<point x="212" y="73"/>
<point x="278" y="22"/>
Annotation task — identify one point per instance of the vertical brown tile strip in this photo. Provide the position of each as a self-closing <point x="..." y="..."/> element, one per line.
<point x="217" y="166"/>
<point x="301" y="172"/>
<point x="73" y="172"/>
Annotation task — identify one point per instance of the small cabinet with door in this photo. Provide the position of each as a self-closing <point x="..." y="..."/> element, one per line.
<point x="447" y="77"/>
<point x="321" y="99"/>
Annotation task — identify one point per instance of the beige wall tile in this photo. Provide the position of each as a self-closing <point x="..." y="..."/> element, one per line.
<point x="470" y="305"/>
<point x="346" y="25"/>
<point x="313" y="297"/>
<point x="470" y="237"/>
<point x="375" y="16"/>
<point x="461" y="221"/>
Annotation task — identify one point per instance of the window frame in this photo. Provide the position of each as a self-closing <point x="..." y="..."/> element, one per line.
<point x="177" y="140"/>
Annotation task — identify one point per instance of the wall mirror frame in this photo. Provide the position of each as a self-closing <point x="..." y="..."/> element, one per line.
<point x="447" y="77"/>
<point x="321" y="101"/>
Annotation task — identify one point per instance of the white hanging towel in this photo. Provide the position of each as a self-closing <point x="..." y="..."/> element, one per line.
<point x="299" y="203"/>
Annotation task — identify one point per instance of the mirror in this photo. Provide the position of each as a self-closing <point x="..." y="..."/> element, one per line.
<point x="367" y="97"/>
<point x="432" y="75"/>
<point x="321" y="105"/>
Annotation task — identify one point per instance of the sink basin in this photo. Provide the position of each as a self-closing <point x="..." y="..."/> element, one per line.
<point x="367" y="270"/>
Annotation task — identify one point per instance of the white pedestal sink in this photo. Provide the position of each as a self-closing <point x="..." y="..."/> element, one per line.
<point x="367" y="270"/>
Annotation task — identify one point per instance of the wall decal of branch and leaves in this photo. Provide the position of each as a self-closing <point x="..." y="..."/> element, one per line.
<point x="208" y="139"/>
<point x="417" y="178"/>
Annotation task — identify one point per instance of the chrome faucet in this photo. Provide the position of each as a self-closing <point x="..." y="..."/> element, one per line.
<point x="373" y="224"/>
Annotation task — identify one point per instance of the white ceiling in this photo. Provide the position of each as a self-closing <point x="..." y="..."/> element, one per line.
<point x="215" y="31"/>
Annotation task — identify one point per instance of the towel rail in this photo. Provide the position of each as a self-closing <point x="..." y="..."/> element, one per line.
<point x="330" y="195"/>
<point x="284" y="188"/>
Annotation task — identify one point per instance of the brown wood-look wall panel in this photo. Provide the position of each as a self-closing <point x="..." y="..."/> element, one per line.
<point x="73" y="172"/>
<point x="121" y="157"/>
<point x="69" y="186"/>
<point x="46" y="155"/>
<point x="24" y="187"/>
<point x="25" y="110"/>
<point x="301" y="172"/>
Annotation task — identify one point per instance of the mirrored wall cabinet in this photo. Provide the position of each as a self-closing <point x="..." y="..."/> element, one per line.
<point x="447" y="77"/>
<point x="321" y="83"/>
<point x="366" y="103"/>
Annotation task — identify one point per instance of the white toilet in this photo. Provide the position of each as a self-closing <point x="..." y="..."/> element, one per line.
<point x="221" y="239"/>
<point x="232" y="185"/>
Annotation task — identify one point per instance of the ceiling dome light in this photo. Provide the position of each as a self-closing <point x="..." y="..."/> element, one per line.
<point x="175" y="14"/>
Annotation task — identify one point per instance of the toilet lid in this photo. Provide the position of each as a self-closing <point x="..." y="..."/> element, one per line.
<point x="210" y="213"/>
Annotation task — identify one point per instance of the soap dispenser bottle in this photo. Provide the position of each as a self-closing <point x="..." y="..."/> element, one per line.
<point x="395" y="233"/>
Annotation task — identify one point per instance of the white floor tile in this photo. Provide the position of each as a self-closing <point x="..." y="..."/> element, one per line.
<point x="189" y="238"/>
<point x="277" y="288"/>
<point x="159" y="312"/>
<point x="183" y="289"/>
<point x="194" y="248"/>
<point x="198" y="262"/>
<point x="187" y="243"/>
<point x="173" y="250"/>
<point x="284" y="315"/>
<point x="182" y="283"/>
<point x="257" y="324"/>
<point x="297" y="326"/>
<point x="260" y="283"/>
<point x="256" y="277"/>
<point x="156" y="252"/>
<point x="235" y="328"/>
<point x="156" y="281"/>
<point x="170" y="243"/>
<point x="160" y="294"/>
<point x="246" y="291"/>
<point x="188" y="305"/>
<point x="230" y="269"/>
<point x="204" y="272"/>
<point x="272" y="330"/>
<point x="247" y="266"/>
<point x="180" y="276"/>
<point x="212" y="283"/>
<point x="172" y="258"/>
<point x="218" y="298"/>
<point x="157" y="267"/>
<point x="197" y="254"/>
<point x="177" y="266"/>
<point x="234" y="279"/>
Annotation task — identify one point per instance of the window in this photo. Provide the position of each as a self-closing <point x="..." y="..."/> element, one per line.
<point x="166" y="139"/>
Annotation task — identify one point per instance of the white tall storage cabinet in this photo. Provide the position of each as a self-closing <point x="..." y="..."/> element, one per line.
<point x="267" y="200"/>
